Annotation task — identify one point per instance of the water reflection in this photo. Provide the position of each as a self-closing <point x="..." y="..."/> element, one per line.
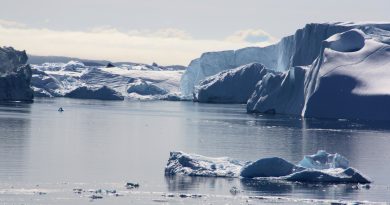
<point x="98" y="142"/>
<point x="283" y="188"/>
<point x="14" y="137"/>
<point x="189" y="183"/>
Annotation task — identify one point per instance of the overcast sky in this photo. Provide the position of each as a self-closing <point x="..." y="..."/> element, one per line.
<point x="165" y="31"/>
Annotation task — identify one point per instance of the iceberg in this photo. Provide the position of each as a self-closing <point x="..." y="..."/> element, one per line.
<point x="320" y="167"/>
<point x="299" y="49"/>
<point x="268" y="167"/>
<point x="324" y="70"/>
<point x="348" y="79"/>
<point x="324" y="160"/>
<point x="45" y="85"/>
<point x="15" y="76"/>
<point x="143" y="87"/>
<point x="180" y="163"/>
<point x="100" y="93"/>
<point x="231" y="86"/>
<point x="133" y="81"/>
<point x="73" y="66"/>
<point x="279" y="93"/>
<point x="349" y="175"/>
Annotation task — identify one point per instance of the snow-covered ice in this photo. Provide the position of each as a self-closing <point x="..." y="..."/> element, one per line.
<point x="320" y="167"/>
<point x="136" y="81"/>
<point x="197" y="165"/>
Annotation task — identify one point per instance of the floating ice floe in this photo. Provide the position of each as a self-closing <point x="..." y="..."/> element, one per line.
<point x="321" y="167"/>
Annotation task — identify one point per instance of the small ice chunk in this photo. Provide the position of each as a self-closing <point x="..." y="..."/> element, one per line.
<point x="131" y="185"/>
<point x="197" y="165"/>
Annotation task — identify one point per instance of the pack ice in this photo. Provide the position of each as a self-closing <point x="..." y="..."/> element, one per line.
<point x="320" y="167"/>
<point x="76" y="80"/>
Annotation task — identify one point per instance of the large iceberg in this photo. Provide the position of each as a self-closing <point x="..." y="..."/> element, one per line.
<point x="329" y="70"/>
<point x="15" y="75"/>
<point x="302" y="48"/>
<point x="320" y="167"/>
<point x="231" y="86"/>
<point x="348" y="79"/>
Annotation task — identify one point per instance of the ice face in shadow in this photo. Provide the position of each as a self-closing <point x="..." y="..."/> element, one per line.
<point x="143" y="87"/>
<point x="15" y="76"/>
<point x="338" y="175"/>
<point x="321" y="167"/>
<point x="268" y="167"/>
<point x="101" y="93"/>
<point x="231" y="86"/>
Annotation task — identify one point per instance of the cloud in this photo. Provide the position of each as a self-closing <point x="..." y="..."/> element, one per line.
<point x="162" y="33"/>
<point x="6" y="23"/>
<point x="165" y="46"/>
<point x="256" y="36"/>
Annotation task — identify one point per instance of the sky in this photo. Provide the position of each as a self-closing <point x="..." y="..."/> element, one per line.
<point x="165" y="31"/>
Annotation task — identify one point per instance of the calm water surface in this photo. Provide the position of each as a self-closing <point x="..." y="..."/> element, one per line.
<point x="97" y="144"/>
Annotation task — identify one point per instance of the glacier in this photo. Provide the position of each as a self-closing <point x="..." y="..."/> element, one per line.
<point x="126" y="81"/>
<point x="321" y="167"/>
<point x="15" y="76"/>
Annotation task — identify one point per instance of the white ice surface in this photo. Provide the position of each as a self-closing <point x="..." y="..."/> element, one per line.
<point x="58" y="79"/>
<point x="321" y="167"/>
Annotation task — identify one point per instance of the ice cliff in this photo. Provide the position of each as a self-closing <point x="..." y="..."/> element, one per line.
<point x="329" y="70"/>
<point x="15" y="76"/>
<point x="321" y="167"/>
<point x="302" y="48"/>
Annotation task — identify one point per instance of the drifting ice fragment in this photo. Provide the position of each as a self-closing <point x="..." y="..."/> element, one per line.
<point x="321" y="167"/>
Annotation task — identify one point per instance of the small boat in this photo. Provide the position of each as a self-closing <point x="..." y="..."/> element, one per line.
<point x="60" y="109"/>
